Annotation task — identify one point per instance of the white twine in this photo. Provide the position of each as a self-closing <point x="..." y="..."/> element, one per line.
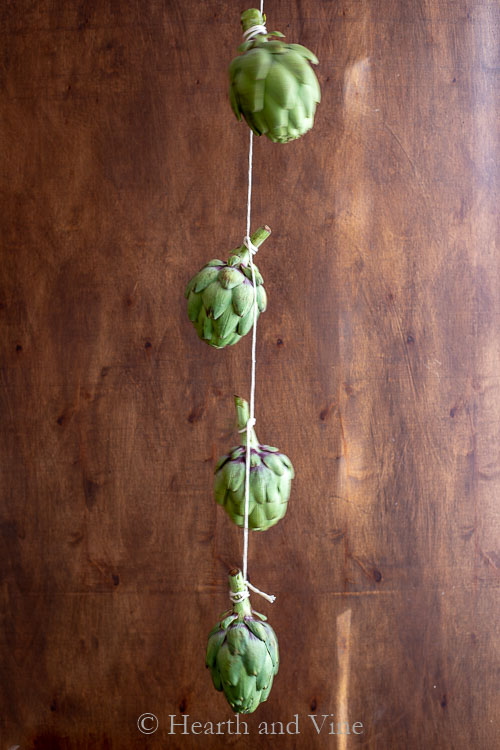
<point x="251" y="420"/>
<point x="252" y="32"/>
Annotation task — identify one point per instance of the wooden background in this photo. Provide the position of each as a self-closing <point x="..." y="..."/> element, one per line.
<point x="123" y="172"/>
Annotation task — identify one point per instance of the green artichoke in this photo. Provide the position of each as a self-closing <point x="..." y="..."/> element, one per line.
<point x="221" y="296"/>
<point x="272" y="84"/>
<point x="271" y="474"/>
<point x="242" y="653"/>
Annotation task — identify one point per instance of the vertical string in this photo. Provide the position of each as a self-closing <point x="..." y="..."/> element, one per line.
<point x="251" y="420"/>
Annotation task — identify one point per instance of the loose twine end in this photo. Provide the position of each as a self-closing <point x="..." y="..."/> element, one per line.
<point x="240" y="596"/>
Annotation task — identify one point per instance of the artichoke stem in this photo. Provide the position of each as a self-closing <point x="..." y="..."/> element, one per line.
<point x="258" y="237"/>
<point x="243" y="414"/>
<point x="252" y="17"/>
<point x="236" y="584"/>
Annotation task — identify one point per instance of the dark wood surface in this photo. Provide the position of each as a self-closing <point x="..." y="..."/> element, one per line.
<point x="123" y="171"/>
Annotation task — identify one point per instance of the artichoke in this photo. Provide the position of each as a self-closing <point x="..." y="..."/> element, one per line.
<point x="272" y="84"/>
<point x="271" y="474"/>
<point x="221" y="296"/>
<point x="242" y="653"/>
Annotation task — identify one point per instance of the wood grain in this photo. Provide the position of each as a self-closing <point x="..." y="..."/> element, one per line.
<point x="123" y="172"/>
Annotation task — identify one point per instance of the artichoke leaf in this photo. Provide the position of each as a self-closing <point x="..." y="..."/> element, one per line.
<point x="273" y="495"/>
<point x="238" y="451"/>
<point x="220" y="463"/>
<point x="272" y="647"/>
<point x="195" y="302"/>
<point x="221" y="301"/>
<point x="258" y="485"/>
<point x="259" y="123"/>
<point x="230" y="278"/>
<point x="214" y="643"/>
<point x="258" y="629"/>
<point x="304" y="52"/>
<point x="255" y="655"/>
<point x="256" y="63"/>
<point x="276" y="116"/>
<point x="265" y="692"/>
<point x="229" y="666"/>
<point x="250" y="93"/>
<point x="243" y="47"/>
<point x="265" y="676"/>
<point x="285" y="482"/>
<point x="306" y="95"/>
<point x="273" y="462"/>
<point x="220" y="489"/>
<point x="261" y="298"/>
<point x="270" y="448"/>
<point x="227" y="621"/>
<point x="207" y="328"/>
<point x="189" y="287"/>
<point x="205" y="277"/>
<point x="245" y="323"/>
<point x="281" y="86"/>
<point x="237" y="638"/>
<point x="227" y="323"/>
<point x="259" y="614"/>
<point x="258" y="519"/>
<point x="245" y="690"/>
<point x="216" y="679"/>
<point x="234" y="474"/>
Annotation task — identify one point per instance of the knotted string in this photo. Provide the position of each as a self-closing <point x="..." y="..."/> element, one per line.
<point x="252" y="32"/>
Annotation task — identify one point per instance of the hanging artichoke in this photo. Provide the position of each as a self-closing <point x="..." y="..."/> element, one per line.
<point x="272" y="84"/>
<point x="242" y="653"/>
<point x="221" y="296"/>
<point x="271" y="474"/>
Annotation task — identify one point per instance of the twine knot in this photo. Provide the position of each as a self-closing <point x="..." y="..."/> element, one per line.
<point x="249" y="245"/>
<point x="250" y="423"/>
<point x="253" y="31"/>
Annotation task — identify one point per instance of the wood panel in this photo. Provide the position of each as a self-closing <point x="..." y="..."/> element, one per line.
<point x="123" y="172"/>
